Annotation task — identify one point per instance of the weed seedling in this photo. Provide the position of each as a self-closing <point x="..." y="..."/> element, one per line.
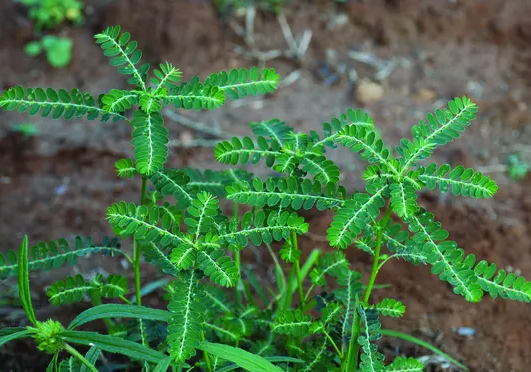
<point x="291" y="324"/>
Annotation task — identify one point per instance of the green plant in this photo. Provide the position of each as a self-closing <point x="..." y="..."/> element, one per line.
<point x="26" y="129"/>
<point x="58" y="50"/>
<point x="179" y="227"/>
<point x="50" y="13"/>
<point x="235" y="5"/>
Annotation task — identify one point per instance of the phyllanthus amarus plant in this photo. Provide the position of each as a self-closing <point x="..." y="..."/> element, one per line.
<point x="292" y="324"/>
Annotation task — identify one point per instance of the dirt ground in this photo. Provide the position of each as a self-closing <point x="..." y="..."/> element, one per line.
<point x="60" y="183"/>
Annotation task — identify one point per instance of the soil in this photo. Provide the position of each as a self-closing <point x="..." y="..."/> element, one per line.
<point x="59" y="183"/>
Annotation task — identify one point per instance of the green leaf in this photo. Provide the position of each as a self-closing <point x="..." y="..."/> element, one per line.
<point x="187" y="308"/>
<point x="163" y="365"/>
<point x="244" y="359"/>
<point x="287" y="192"/>
<point x="23" y="281"/>
<point x="14" y="336"/>
<point x="173" y="182"/>
<point x="73" y="289"/>
<point x="440" y="128"/>
<point x="124" y="54"/>
<point x="46" y="256"/>
<point x="292" y="322"/>
<point x="371" y="360"/>
<point x="72" y="105"/>
<point x="125" y="168"/>
<point x="367" y="143"/>
<point x="220" y="268"/>
<point x="166" y="77"/>
<point x="150" y="141"/>
<point x="245" y="150"/>
<point x="143" y="222"/>
<point x="502" y="284"/>
<point x="446" y="259"/>
<point x="239" y="83"/>
<point x="460" y="181"/>
<point x="424" y="344"/>
<point x="353" y="217"/>
<point x="119" y="100"/>
<point x="113" y="345"/>
<point x="332" y="129"/>
<point x="119" y="311"/>
<point x="403" y="199"/>
<point x="58" y="50"/>
<point x="194" y="95"/>
<point x="33" y="48"/>
<point x="275" y="129"/>
<point x="403" y="364"/>
<point x="390" y="307"/>
<point x="261" y="227"/>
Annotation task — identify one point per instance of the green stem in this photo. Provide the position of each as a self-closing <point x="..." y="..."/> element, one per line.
<point x="137" y="250"/>
<point x="376" y="261"/>
<point x="424" y="344"/>
<point x="339" y="353"/>
<point x="125" y="300"/>
<point x="205" y="354"/>
<point x="298" y="271"/>
<point x="353" y="351"/>
<point x="237" y="261"/>
<point x="81" y="358"/>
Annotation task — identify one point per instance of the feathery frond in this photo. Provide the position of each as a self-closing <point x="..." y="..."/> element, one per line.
<point x="287" y="192"/>
<point x="245" y="150"/>
<point x="443" y="255"/>
<point x="58" y="104"/>
<point x="194" y="95"/>
<point x="403" y="199"/>
<point x="185" y="325"/>
<point x="239" y="83"/>
<point x="502" y="284"/>
<point x="124" y="53"/>
<point x="150" y="141"/>
<point x="275" y="129"/>
<point x="51" y="255"/>
<point x="159" y="257"/>
<point x="119" y="100"/>
<point x="125" y="168"/>
<point x="143" y="223"/>
<point x="371" y="359"/>
<point x="438" y="129"/>
<point x="166" y="77"/>
<point x="292" y="322"/>
<point x="354" y="216"/>
<point x="390" y="307"/>
<point x="262" y="227"/>
<point x="73" y="289"/>
<point x="365" y="141"/>
<point x="173" y="182"/>
<point x="331" y="130"/>
<point x="219" y="267"/>
<point x="403" y="364"/>
<point x="460" y="180"/>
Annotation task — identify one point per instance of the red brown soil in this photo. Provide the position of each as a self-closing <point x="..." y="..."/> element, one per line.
<point x="60" y="183"/>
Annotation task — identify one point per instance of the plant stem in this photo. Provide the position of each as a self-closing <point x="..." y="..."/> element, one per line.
<point x="298" y="271"/>
<point x="81" y="358"/>
<point x="339" y="353"/>
<point x="125" y="300"/>
<point x="237" y="261"/>
<point x="205" y="354"/>
<point x="353" y="351"/>
<point x="376" y="261"/>
<point x="137" y="250"/>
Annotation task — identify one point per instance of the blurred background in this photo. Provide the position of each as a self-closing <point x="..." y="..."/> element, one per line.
<point x="396" y="59"/>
